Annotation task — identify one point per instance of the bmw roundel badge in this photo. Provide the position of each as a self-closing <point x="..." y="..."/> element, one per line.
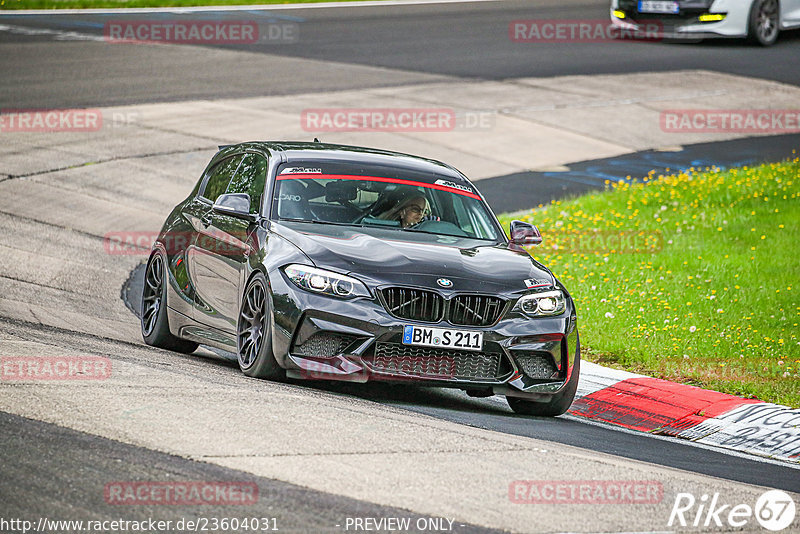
<point x="445" y="282"/>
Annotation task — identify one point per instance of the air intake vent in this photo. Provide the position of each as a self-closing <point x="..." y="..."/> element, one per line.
<point x="536" y="365"/>
<point x="414" y="304"/>
<point x="475" y="310"/>
<point x="324" y="345"/>
<point x="445" y="364"/>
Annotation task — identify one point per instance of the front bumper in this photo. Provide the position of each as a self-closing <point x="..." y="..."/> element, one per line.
<point x="685" y="24"/>
<point x="325" y="338"/>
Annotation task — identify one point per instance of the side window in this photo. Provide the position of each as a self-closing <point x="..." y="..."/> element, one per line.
<point x="219" y="177"/>
<point x="250" y="178"/>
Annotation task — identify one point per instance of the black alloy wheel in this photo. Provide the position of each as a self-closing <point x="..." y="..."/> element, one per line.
<point x="764" y="21"/>
<point x="151" y="295"/>
<point x="254" y="334"/>
<point x="154" y="320"/>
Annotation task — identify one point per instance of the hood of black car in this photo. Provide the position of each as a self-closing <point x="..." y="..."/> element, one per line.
<point x="396" y="257"/>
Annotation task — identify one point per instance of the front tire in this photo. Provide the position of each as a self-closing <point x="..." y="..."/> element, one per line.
<point x="254" y="332"/>
<point x="763" y="23"/>
<point x="154" y="321"/>
<point x="558" y="405"/>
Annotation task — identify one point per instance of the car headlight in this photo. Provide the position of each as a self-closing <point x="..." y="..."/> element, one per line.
<point x="325" y="282"/>
<point x="543" y="304"/>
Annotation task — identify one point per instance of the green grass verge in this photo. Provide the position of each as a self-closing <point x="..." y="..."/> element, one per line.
<point x="85" y="4"/>
<point x="712" y="299"/>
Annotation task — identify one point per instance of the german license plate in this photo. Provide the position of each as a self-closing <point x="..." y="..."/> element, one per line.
<point x="658" y="6"/>
<point x="442" y="337"/>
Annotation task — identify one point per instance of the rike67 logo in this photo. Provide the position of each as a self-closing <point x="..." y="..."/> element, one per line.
<point x="774" y="510"/>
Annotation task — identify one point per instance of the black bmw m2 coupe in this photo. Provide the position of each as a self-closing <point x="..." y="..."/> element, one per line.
<point x="319" y="261"/>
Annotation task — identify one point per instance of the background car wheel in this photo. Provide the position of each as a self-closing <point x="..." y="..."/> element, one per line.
<point x="155" y="324"/>
<point x="253" y="332"/>
<point x="558" y="405"/>
<point x="762" y="27"/>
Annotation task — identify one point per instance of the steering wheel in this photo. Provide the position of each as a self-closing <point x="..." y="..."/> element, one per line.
<point x="360" y="218"/>
<point x="440" y="226"/>
<point x="365" y="213"/>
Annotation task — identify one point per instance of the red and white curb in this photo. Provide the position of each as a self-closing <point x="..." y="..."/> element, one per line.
<point x="645" y="404"/>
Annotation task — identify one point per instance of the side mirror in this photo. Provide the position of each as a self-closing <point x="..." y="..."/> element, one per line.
<point x="236" y="205"/>
<point x="523" y="233"/>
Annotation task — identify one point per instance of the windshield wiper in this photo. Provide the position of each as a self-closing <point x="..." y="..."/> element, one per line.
<point x="380" y="223"/>
<point x="313" y="221"/>
<point x="412" y="229"/>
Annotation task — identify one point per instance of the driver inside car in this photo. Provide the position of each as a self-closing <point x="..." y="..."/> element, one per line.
<point x="410" y="210"/>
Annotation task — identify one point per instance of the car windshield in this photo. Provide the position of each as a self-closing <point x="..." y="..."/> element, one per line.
<point x="407" y="203"/>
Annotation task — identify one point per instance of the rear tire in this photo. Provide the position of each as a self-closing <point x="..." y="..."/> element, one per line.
<point x="558" y="405"/>
<point x="763" y="23"/>
<point x="254" y="332"/>
<point x="154" y="320"/>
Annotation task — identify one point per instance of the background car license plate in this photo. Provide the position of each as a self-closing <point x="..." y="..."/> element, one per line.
<point x="442" y="337"/>
<point x="658" y="6"/>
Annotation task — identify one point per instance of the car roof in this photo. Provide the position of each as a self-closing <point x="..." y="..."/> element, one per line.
<point x="295" y="151"/>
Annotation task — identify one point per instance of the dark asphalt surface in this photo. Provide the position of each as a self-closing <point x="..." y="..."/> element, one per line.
<point x="471" y="40"/>
<point x="53" y="472"/>
<point x="523" y="190"/>
<point x="462" y="40"/>
<point x="456" y="406"/>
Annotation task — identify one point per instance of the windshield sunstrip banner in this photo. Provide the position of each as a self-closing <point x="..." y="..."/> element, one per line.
<point x="455" y="188"/>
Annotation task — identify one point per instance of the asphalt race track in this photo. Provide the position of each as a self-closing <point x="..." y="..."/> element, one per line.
<point x="421" y="42"/>
<point x="512" y="192"/>
<point x="318" y="453"/>
<point x="33" y="468"/>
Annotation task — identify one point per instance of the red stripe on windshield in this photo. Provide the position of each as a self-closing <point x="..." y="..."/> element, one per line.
<point x="377" y="179"/>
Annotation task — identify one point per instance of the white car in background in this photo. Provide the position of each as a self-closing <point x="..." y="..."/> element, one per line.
<point x="758" y="20"/>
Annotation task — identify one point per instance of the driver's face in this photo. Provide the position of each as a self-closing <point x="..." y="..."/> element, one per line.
<point x="413" y="213"/>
